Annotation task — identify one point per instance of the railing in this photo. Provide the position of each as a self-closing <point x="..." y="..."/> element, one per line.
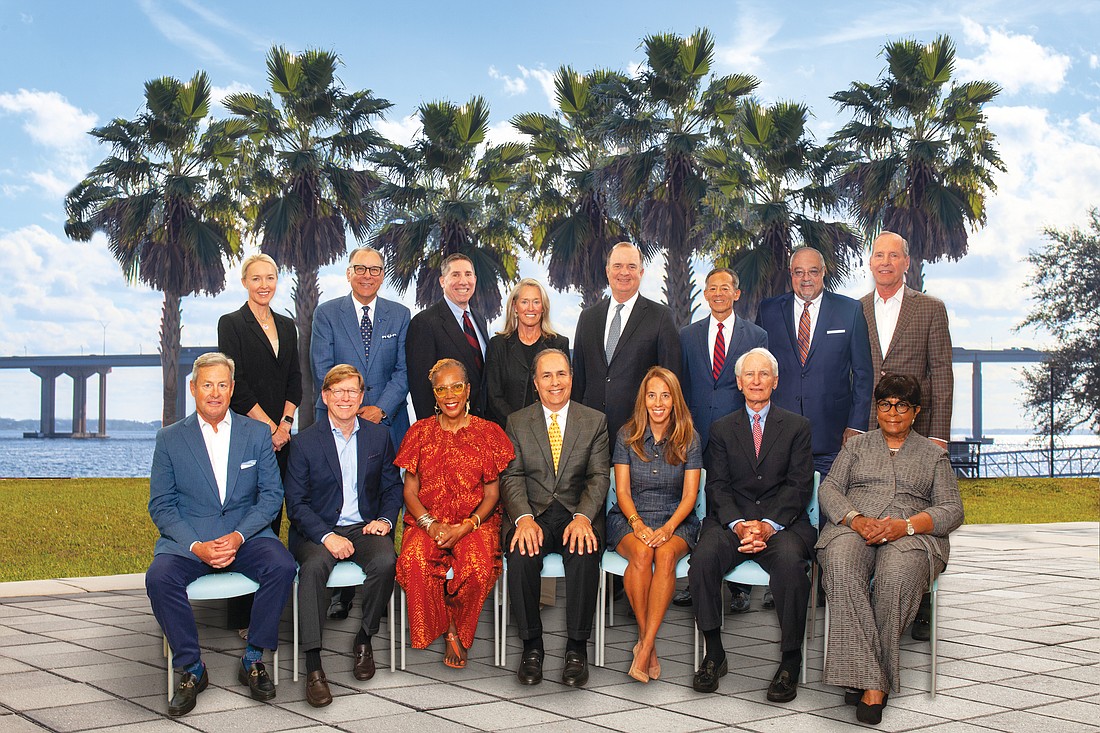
<point x="1076" y="461"/>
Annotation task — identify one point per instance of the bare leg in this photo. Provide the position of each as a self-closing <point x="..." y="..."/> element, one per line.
<point x="661" y="587"/>
<point x="636" y="581"/>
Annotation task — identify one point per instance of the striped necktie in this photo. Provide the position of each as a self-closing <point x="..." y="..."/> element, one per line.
<point x="804" y="333"/>
<point x="719" y="353"/>
<point x="471" y="337"/>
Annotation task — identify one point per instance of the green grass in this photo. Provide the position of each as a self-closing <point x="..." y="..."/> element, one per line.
<point x="59" y="528"/>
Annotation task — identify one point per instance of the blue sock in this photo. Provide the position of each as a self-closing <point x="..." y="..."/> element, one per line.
<point x="196" y="669"/>
<point x="252" y="654"/>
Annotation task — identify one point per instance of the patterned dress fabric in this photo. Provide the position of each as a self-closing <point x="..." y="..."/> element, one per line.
<point x="452" y="468"/>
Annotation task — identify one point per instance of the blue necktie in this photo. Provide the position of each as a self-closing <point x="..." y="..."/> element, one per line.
<point x="366" y="329"/>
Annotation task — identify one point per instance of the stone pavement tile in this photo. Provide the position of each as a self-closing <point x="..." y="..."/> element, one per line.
<point x="996" y="694"/>
<point x="383" y="679"/>
<point x="1022" y="720"/>
<point x="44" y="623"/>
<point x="499" y="715"/>
<point x="1025" y="663"/>
<point x="436" y="670"/>
<point x="1076" y="710"/>
<point x="358" y="706"/>
<point x="1077" y="657"/>
<point x="262" y="717"/>
<point x="8" y="666"/>
<point x="1051" y="635"/>
<point x="164" y="725"/>
<point x="978" y="672"/>
<point x="835" y="720"/>
<point x="917" y="681"/>
<point x="808" y="700"/>
<point x="972" y="626"/>
<point x="152" y="652"/>
<point x="724" y="708"/>
<point x="119" y="641"/>
<point x="212" y="700"/>
<point x="986" y="642"/>
<point x="661" y="719"/>
<point x="434" y="696"/>
<point x="1081" y="673"/>
<point x="564" y="726"/>
<point x="105" y="714"/>
<point x="92" y="631"/>
<point x="109" y="671"/>
<point x="507" y="688"/>
<point x="412" y="722"/>
<point x="15" y="638"/>
<point x="1089" y="645"/>
<point x="26" y="680"/>
<point x="659" y="693"/>
<point x="956" y="727"/>
<point x="946" y="706"/>
<point x="54" y="694"/>
<point x="16" y="724"/>
<point x="61" y="660"/>
<point x="134" y="684"/>
<point x="585" y="703"/>
<point x="1057" y="686"/>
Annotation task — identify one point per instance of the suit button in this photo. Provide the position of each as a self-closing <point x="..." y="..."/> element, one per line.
<point x="882" y="373"/>
<point x="758" y="502"/>
<point x="608" y="379"/>
<point x="655" y="472"/>
<point x="759" y="478"/>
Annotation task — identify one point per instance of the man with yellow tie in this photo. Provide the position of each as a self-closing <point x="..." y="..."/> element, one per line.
<point x="553" y="493"/>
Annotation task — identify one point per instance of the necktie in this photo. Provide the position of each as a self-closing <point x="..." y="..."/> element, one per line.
<point x="613" y="334"/>
<point x="471" y="337"/>
<point x="719" y="353"/>
<point x="757" y="433"/>
<point x="366" y="330"/>
<point x="804" y="333"/>
<point x="555" y="439"/>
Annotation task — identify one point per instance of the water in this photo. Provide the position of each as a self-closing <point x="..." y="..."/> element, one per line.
<point x="122" y="455"/>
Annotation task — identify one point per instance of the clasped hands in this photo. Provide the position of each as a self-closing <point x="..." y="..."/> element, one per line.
<point x="578" y="536"/>
<point x="879" y="531"/>
<point x="218" y="553"/>
<point x="652" y="537"/>
<point x="754" y="535"/>
<point x="341" y="547"/>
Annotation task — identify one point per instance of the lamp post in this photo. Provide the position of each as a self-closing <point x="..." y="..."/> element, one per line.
<point x="104" y="324"/>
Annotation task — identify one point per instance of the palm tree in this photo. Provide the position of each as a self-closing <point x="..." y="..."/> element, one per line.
<point x="160" y="198"/>
<point x="771" y="183"/>
<point x="925" y="157"/>
<point x="664" y="118"/>
<point x="305" y="186"/>
<point x="440" y="198"/>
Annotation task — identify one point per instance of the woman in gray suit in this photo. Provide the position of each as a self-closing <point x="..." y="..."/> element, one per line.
<point x="891" y="499"/>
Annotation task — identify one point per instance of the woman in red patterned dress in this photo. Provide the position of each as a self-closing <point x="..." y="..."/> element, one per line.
<point x="452" y="462"/>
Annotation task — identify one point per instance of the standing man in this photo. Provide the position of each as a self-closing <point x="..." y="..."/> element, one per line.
<point x="448" y="330"/>
<point x="342" y="496"/>
<point x="760" y="476"/>
<point x="553" y="493"/>
<point x="213" y="490"/>
<point x="909" y="335"/>
<point x="619" y="339"/>
<point x="820" y="341"/>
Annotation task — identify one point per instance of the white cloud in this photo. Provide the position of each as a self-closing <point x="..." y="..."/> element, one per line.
<point x="49" y="118"/>
<point x="512" y="85"/>
<point x="516" y="85"/>
<point x="1016" y="62"/>
<point x="1094" y="61"/>
<point x="218" y="94"/>
<point x="179" y="33"/>
<point x="753" y="35"/>
<point x="401" y="131"/>
<point x="503" y="132"/>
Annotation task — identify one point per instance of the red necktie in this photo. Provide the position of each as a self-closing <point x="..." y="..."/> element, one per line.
<point x="804" y="333"/>
<point x="757" y="433"/>
<point x="719" y="353"/>
<point x="471" y="337"/>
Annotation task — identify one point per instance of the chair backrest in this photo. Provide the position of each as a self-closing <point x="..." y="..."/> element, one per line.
<point x="700" y="498"/>
<point x="813" y="511"/>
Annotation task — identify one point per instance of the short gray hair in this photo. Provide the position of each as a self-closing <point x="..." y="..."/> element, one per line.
<point x="357" y="250"/>
<point x="212" y="359"/>
<point x="806" y="248"/>
<point x="904" y="243"/>
<point x="760" y="351"/>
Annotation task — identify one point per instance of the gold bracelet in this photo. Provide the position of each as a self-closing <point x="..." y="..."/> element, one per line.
<point x="476" y="520"/>
<point x="632" y="519"/>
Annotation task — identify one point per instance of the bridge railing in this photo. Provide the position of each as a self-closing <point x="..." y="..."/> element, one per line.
<point x="1075" y="461"/>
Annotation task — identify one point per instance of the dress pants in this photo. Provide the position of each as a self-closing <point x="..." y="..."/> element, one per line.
<point x="373" y="553"/>
<point x="582" y="575"/>
<point x="785" y="559"/>
<point x="262" y="559"/>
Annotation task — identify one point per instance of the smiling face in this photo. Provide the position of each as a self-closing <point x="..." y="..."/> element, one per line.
<point x="451" y="392"/>
<point x="553" y="381"/>
<point x="212" y="386"/>
<point x="342" y="399"/>
<point x="807" y="274"/>
<point x="260" y="280"/>
<point x="895" y="425"/>
<point x="757" y="381"/>
<point x="624" y="272"/>
<point x="888" y="263"/>
<point x="721" y="294"/>
<point x="365" y="284"/>
<point x="529" y="307"/>
<point x="458" y="282"/>
<point x="658" y="403"/>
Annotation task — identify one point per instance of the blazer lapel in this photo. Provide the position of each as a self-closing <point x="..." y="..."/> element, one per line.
<point x="328" y="448"/>
<point x="786" y="309"/>
<point x="381" y="328"/>
<point x="908" y="309"/>
<point x="742" y="433"/>
<point x="637" y="315"/>
<point x="872" y="329"/>
<point x="568" y="441"/>
<point x="350" y="314"/>
<point x="257" y="330"/>
<point x="193" y="436"/>
<point x="236" y="454"/>
<point x="450" y="326"/>
<point x="598" y="333"/>
<point x="772" y="426"/>
<point x="824" y="311"/>
<point x="733" y="349"/>
<point x="542" y="438"/>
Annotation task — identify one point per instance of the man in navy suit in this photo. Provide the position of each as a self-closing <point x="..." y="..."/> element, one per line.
<point x="449" y="329"/>
<point x="820" y="341"/>
<point x="213" y="490"/>
<point x="342" y="497"/>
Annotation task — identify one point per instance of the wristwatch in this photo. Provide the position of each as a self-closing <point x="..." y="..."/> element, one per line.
<point x="909" y="528"/>
<point x="288" y="419"/>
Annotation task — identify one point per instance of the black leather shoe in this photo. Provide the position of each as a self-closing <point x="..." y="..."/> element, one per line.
<point x="575" y="672"/>
<point x="338" y="610"/>
<point x="187" y="691"/>
<point x="784" y="686"/>
<point x="682" y="598"/>
<point x="922" y="630"/>
<point x="769" y="599"/>
<point x="317" y="693"/>
<point x="530" y="668"/>
<point x="870" y="714"/>
<point x="364" y="662"/>
<point x="706" y="679"/>
<point x="739" y="602"/>
<point x="852" y="695"/>
<point x="258" y="682"/>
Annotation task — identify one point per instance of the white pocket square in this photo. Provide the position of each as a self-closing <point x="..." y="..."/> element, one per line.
<point x="390" y="336"/>
<point x="838" y="330"/>
<point x="247" y="464"/>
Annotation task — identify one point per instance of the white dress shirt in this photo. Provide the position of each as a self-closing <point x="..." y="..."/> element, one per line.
<point x="886" y="318"/>
<point x="815" y="311"/>
<point x="712" y="334"/>
<point x="217" y="448"/>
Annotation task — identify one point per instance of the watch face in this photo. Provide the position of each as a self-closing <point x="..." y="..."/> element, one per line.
<point x="909" y="529"/>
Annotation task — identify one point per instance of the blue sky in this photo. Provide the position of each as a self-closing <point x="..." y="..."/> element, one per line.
<point x="71" y="66"/>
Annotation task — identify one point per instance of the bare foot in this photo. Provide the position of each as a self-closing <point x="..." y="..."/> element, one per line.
<point x="455" y="655"/>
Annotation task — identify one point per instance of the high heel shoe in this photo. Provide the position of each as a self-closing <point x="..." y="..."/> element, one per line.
<point x="636" y="670"/>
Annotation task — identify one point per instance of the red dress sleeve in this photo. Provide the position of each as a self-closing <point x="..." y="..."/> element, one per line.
<point x="408" y="456"/>
<point x="498" y="451"/>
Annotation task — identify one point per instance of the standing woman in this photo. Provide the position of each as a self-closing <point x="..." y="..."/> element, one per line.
<point x="452" y="465"/>
<point x="264" y="346"/>
<point x="658" y="465"/>
<point x="510" y="353"/>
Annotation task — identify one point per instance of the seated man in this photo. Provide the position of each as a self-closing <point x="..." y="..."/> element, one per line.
<point x="342" y="497"/>
<point x="553" y="493"/>
<point x="760" y="469"/>
<point x="213" y="492"/>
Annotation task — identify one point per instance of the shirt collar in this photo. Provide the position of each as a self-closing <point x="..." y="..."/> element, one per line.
<point x="628" y="303"/>
<point x="728" y="323"/>
<point x="456" y="309"/>
<point x="895" y="298"/>
<point x="337" y="431"/>
<point x="763" y="412"/>
<point x="546" y="413"/>
<point x="223" y="423"/>
<point x="816" y="302"/>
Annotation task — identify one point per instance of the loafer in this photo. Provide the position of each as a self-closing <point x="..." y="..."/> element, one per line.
<point x="922" y="630"/>
<point x="706" y="679"/>
<point x="682" y="598"/>
<point x="852" y="695"/>
<point x="364" y="662"/>
<point x="530" y="667"/>
<point x="187" y="691"/>
<point x="317" y="693"/>
<point x="784" y="686"/>
<point x="769" y="599"/>
<point x="575" y="672"/>
<point x="338" y="610"/>
<point x="870" y="714"/>
<point x="256" y="679"/>
<point x="739" y="602"/>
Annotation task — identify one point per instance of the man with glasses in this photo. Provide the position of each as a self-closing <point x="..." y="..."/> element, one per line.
<point x="342" y="497"/>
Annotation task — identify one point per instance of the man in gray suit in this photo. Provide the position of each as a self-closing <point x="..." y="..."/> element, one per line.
<point x="553" y="493"/>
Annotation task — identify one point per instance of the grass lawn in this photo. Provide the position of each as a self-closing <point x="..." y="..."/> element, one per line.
<point x="58" y="528"/>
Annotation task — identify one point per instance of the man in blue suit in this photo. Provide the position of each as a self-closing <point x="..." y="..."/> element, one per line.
<point x="213" y="491"/>
<point x="820" y="340"/>
<point x="342" y="497"/>
<point x="367" y="332"/>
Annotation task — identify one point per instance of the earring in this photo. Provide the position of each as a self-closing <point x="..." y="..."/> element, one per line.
<point x="438" y="411"/>
<point x="467" y="406"/>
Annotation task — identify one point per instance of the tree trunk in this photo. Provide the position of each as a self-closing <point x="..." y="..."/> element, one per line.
<point x="590" y="297"/>
<point x="914" y="276"/>
<point x="679" y="289"/>
<point x="306" y="294"/>
<point x="169" y="356"/>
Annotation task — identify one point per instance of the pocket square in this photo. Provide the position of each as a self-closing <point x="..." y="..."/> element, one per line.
<point x="247" y="464"/>
<point x="838" y="330"/>
<point x="390" y="336"/>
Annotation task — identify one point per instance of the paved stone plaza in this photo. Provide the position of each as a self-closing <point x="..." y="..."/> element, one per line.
<point x="1019" y="651"/>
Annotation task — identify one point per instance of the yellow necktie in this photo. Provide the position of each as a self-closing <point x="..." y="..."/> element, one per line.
<point x="555" y="439"/>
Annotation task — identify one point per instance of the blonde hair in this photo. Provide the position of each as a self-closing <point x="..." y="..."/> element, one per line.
<point x="339" y="373"/>
<point x="253" y="259"/>
<point x="511" y="320"/>
<point x="212" y="359"/>
<point x="447" y="364"/>
<point x="682" y="429"/>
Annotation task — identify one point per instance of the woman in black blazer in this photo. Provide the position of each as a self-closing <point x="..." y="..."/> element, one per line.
<point x="508" y="359"/>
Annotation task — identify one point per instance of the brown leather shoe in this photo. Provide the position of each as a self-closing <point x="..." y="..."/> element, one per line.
<point x="317" y="692"/>
<point x="364" y="661"/>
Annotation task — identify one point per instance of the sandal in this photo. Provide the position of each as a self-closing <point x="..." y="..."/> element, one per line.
<point x="454" y="647"/>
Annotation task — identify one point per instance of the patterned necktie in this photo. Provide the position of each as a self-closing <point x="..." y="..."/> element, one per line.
<point x="613" y="334"/>
<point x="719" y="353"/>
<point x="757" y="433"/>
<point x="366" y="330"/>
<point x="804" y="333"/>
<point x="471" y="337"/>
<point x="555" y="439"/>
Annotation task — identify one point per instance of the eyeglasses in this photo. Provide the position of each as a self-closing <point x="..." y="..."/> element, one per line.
<point x="900" y="407"/>
<point x="372" y="270"/>
<point x="342" y="393"/>
<point x="813" y="272"/>
<point x="452" y="389"/>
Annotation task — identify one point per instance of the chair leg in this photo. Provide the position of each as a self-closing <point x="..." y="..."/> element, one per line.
<point x="825" y="639"/>
<point x="695" y="644"/>
<point x="932" y="639"/>
<point x="275" y="662"/>
<point x="404" y="625"/>
<point x="497" y="636"/>
<point x="295" y="622"/>
<point x="601" y="601"/>
<point x="393" y="640"/>
<point x="504" y="616"/>
<point x="168" y="654"/>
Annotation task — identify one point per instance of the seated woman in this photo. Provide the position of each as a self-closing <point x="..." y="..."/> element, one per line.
<point x="451" y="464"/>
<point x="891" y="499"/>
<point x="658" y="463"/>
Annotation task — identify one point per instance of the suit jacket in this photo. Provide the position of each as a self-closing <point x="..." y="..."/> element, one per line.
<point x="337" y="340"/>
<point x="434" y="334"/>
<point x="508" y="379"/>
<point x="777" y="485"/>
<point x="183" y="493"/>
<point x="648" y="338"/>
<point x="920" y="347"/>
<point x="707" y="398"/>
<point x="314" y="483"/>
<point x="529" y="484"/>
<point x="833" y="388"/>
<point x="261" y="377"/>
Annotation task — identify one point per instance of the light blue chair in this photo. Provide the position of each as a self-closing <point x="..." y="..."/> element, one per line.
<point x="552" y="567"/>
<point x="612" y="563"/>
